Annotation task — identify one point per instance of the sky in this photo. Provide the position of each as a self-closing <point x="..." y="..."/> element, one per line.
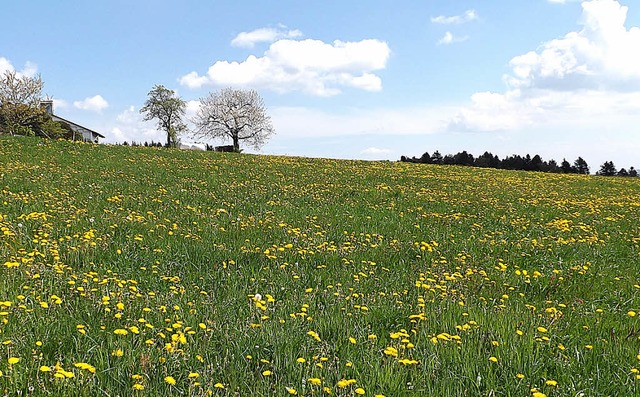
<point x="370" y="80"/>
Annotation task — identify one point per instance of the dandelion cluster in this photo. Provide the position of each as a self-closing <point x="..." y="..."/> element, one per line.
<point x="162" y="272"/>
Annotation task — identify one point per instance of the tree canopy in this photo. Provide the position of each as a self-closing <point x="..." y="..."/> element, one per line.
<point x="163" y="104"/>
<point x="236" y="115"/>
<point x="20" y="110"/>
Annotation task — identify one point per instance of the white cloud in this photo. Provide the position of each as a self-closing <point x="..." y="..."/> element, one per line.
<point x="191" y="109"/>
<point x="590" y="74"/>
<point x="468" y="16"/>
<point x="5" y="65"/>
<point x="95" y="103"/>
<point x="130" y="126"/>
<point x="310" y="66"/>
<point x="30" y="69"/>
<point x="60" y="104"/>
<point x="375" y="151"/>
<point x="264" y="35"/>
<point x="449" y="38"/>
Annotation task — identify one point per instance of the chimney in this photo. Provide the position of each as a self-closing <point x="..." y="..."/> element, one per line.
<point x="47" y="104"/>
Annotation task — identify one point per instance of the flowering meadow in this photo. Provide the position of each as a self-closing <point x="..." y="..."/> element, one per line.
<point x="146" y="271"/>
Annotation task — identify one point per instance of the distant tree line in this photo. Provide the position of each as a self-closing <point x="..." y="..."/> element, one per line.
<point x="145" y="144"/>
<point x="517" y="162"/>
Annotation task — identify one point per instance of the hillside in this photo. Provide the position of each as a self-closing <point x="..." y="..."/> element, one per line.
<point x="145" y="270"/>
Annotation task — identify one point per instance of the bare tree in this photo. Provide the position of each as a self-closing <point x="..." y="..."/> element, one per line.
<point x="238" y="115"/>
<point x="164" y="105"/>
<point x="20" y="108"/>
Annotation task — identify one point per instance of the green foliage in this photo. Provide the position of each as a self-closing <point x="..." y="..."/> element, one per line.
<point x="163" y="105"/>
<point x="256" y="276"/>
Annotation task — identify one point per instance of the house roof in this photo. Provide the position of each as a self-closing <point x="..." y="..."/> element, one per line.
<point x="71" y="123"/>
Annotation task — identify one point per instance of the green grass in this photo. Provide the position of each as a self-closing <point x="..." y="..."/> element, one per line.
<point x="411" y="276"/>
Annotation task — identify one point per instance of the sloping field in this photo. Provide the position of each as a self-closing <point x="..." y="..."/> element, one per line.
<point x="127" y="271"/>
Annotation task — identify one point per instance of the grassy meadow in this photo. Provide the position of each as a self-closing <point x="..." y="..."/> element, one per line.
<point x="145" y="271"/>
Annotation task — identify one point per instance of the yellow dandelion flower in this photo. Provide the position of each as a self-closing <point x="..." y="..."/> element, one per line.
<point x="13" y="360"/>
<point x="493" y="359"/>
<point x="314" y="335"/>
<point x="267" y="373"/>
<point x="551" y="382"/>
<point x="314" y="381"/>
<point x="342" y="383"/>
<point x="45" y="368"/>
<point x="86" y="367"/>
<point x="301" y="360"/>
<point x="360" y="391"/>
<point x="219" y="385"/>
<point x="520" y="376"/>
<point x="170" y="380"/>
<point x="391" y="351"/>
<point x="542" y="330"/>
<point x="292" y="391"/>
<point x="138" y="386"/>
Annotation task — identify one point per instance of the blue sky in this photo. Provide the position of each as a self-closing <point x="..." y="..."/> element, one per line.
<point x="353" y="79"/>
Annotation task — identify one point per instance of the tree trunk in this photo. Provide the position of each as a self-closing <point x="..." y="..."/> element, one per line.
<point x="236" y="143"/>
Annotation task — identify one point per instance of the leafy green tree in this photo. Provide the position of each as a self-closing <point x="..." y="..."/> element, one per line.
<point x="53" y="129"/>
<point x="238" y="115"/>
<point x="163" y="104"/>
<point x="20" y="110"/>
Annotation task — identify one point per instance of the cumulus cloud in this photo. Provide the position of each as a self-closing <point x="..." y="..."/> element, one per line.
<point x="310" y="66"/>
<point x="264" y="35"/>
<point x="30" y="69"/>
<point x="60" y="104"/>
<point x="449" y="38"/>
<point x="95" y="103"/>
<point x="130" y="126"/>
<point x="468" y="16"/>
<point x="588" y="72"/>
